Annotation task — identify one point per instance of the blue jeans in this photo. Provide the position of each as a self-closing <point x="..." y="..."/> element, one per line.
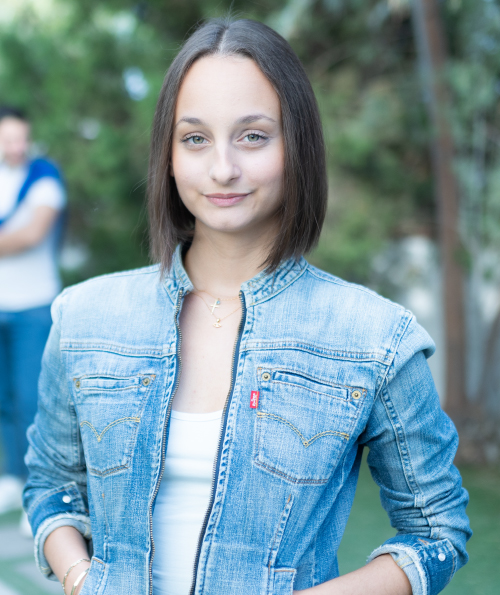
<point x="22" y="340"/>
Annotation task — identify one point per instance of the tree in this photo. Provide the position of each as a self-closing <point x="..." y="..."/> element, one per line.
<point x="431" y="44"/>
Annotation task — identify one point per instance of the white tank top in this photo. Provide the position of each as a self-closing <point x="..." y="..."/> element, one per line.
<point x="182" y="500"/>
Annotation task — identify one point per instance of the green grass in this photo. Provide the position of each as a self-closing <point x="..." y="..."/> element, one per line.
<point x="368" y="527"/>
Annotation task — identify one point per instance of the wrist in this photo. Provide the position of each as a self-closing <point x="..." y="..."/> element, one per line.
<point x="79" y="582"/>
<point x="72" y="575"/>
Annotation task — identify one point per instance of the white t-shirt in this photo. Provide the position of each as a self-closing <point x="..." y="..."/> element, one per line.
<point x="28" y="279"/>
<point x="182" y="500"/>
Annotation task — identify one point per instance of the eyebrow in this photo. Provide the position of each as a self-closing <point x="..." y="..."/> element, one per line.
<point x="250" y="119"/>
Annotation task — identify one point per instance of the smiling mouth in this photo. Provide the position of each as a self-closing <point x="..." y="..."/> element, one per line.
<point x="226" y="200"/>
<point x="232" y="195"/>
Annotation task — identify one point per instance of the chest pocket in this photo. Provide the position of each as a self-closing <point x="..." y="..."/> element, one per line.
<point x="109" y="414"/>
<point x="303" y="425"/>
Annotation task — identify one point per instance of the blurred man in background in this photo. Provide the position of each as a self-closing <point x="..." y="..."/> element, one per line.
<point x="32" y="197"/>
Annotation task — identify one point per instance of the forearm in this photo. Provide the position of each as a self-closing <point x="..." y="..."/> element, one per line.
<point x="63" y="547"/>
<point x="382" y="576"/>
<point x="12" y="242"/>
<point x="16" y="241"/>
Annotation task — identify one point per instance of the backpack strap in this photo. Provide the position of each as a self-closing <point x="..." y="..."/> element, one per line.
<point x="38" y="169"/>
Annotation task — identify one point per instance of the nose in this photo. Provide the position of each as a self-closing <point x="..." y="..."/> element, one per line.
<point x="223" y="168"/>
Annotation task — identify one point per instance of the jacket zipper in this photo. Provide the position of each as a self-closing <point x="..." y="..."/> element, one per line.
<point x="221" y="436"/>
<point x="165" y="426"/>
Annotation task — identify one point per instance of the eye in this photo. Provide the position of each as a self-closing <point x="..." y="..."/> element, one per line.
<point x="253" y="137"/>
<point x="194" y="139"/>
<point x="197" y="140"/>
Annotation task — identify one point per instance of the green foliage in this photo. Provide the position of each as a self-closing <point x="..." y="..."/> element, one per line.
<point x="474" y="77"/>
<point x="69" y="72"/>
<point x="361" y="60"/>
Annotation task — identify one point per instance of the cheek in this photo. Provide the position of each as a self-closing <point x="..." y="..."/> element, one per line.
<point x="185" y="171"/>
<point x="268" y="171"/>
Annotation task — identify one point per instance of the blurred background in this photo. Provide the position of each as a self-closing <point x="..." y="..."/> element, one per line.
<point x="409" y="92"/>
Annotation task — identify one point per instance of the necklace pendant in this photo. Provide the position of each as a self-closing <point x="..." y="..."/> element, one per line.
<point x="217" y="323"/>
<point x="216" y="304"/>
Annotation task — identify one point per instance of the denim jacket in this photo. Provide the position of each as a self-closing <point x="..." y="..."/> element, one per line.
<point x="336" y="368"/>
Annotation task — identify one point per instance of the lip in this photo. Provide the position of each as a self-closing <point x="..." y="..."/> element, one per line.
<point x="226" y="200"/>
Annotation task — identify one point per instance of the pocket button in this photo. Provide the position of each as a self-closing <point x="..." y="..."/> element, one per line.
<point x="356" y="394"/>
<point x="266" y="376"/>
<point x="77" y="383"/>
<point x="146" y="381"/>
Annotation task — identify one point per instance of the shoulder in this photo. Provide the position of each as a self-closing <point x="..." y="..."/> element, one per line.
<point x="355" y="297"/>
<point x="47" y="192"/>
<point x="125" y="290"/>
<point x="359" y="318"/>
<point x="111" y="282"/>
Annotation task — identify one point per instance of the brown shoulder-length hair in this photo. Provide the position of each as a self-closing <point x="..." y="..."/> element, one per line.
<point x="305" y="187"/>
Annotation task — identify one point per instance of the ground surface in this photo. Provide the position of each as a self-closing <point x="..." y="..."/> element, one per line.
<point x="368" y="527"/>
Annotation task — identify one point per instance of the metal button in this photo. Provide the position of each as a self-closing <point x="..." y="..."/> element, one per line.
<point x="356" y="394"/>
<point x="146" y="381"/>
<point x="66" y="499"/>
<point x="441" y="557"/>
<point x="77" y="383"/>
<point x="266" y="376"/>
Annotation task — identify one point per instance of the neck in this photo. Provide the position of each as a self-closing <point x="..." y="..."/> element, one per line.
<point x="220" y="263"/>
<point x="13" y="163"/>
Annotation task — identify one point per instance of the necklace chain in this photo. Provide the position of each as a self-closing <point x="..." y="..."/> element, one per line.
<point x="217" y="323"/>
<point x="222" y="299"/>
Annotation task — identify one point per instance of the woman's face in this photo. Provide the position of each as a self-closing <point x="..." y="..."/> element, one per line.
<point x="227" y="155"/>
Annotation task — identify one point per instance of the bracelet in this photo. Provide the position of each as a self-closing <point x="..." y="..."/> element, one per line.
<point x="70" y="569"/>
<point x="78" y="580"/>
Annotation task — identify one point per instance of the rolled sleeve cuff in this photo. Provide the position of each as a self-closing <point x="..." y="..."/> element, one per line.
<point x="429" y="564"/>
<point x="59" y="507"/>
<point x="80" y="522"/>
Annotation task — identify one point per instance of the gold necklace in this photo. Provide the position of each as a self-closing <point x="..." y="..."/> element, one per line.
<point x="217" y="323"/>
<point x="222" y="299"/>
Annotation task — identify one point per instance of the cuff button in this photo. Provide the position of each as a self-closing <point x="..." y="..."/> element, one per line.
<point x="441" y="557"/>
<point x="66" y="499"/>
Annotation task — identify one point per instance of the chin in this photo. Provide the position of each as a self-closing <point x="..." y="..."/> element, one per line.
<point x="226" y="223"/>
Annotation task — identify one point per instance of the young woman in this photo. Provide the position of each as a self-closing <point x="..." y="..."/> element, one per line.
<point x="202" y="420"/>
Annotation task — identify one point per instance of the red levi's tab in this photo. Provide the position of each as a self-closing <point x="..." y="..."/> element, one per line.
<point x="254" y="399"/>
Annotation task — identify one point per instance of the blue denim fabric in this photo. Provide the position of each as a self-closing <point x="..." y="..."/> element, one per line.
<point x="22" y="339"/>
<point x="338" y="368"/>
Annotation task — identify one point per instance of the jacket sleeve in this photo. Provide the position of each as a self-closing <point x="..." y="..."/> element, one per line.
<point x="56" y="491"/>
<point x="412" y="444"/>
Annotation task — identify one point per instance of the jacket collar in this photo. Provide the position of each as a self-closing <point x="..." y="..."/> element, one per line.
<point x="261" y="288"/>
